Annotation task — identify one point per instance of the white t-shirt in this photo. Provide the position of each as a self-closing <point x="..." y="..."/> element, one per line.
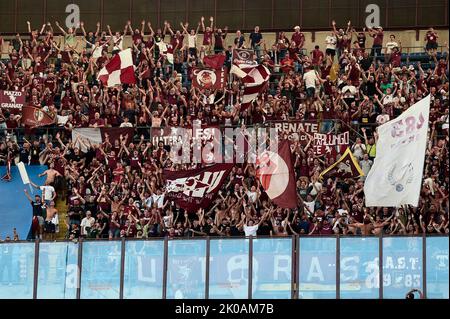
<point x="310" y="205"/>
<point x="314" y="191"/>
<point x="48" y="192"/>
<point x="118" y="43"/>
<point x="390" y="46"/>
<point x="250" y="230"/>
<point x="310" y="78"/>
<point x="251" y="196"/>
<point x="86" y="222"/>
<point x="192" y="41"/>
<point x="158" y="199"/>
<point x="331" y="42"/>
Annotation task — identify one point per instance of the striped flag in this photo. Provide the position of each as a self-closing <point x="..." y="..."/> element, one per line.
<point x="120" y="69"/>
<point x="255" y="81"/>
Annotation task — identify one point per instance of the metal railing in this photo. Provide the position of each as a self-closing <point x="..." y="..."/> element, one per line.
<point x="331" y="267"/>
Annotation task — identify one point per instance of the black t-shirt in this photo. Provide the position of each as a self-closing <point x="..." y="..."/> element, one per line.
<point x="35" y="150"/>
<point x="38" y="210"/>
<point x="264" y="229"/>
<point x="255" y="37"/>
<point x="24" y="155"/>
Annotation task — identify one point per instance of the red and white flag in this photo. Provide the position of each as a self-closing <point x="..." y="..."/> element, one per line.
<point x="255" y="81"/>
<point x="197" y="188"/>
<point x="119" y="70"/>
<point x="276" y="174"/>
<point x="35" y="117"/>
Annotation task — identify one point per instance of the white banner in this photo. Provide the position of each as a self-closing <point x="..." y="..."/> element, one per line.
<point x="82" y="135"/>
<point x="23" y="173"/>
<point x="396" y="176"/>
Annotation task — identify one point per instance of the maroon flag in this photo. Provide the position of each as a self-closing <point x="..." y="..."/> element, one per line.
<point x="119" y="70"/>
<point x="244" y="56"/>
<point x="346" y="167"/>
<point x="276" y="174"/>
<point x="214" y="61"/>
<point x="34" y="117"/>
<point x="114" y="133"/>
<point x="208" y="79"/>
<point x="330" y="143"/>
<point x="12" y="101"/>
<point x="197" y="188"/>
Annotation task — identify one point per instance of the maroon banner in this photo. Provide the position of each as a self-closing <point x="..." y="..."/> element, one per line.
<point x="276" y="174"/>
<point x="194" y="189"/>
<point x="243" y="56"/>
<point x="330" y="143"/>
<point x="209" y="79"/>
<point x="12" y="101"/>
<point x="214" y="61"/>
<point x="34" y="117"/>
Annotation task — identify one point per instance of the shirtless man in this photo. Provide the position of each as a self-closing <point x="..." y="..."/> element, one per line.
<point x="51" y="221"/>
<point x="51" y="175"/>
<point x="369" y="226"/>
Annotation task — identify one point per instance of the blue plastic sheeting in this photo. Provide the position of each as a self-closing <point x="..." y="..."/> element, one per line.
<point x="272" y="268"/>
<point x="402" y="266"/>
<point x="186" y="269"/>
<point x="317" y="268"/>
<point x="100" y="274"/>
<point x="143" y="272"/>
<point x="15" y="209"/>
<point x="228" y="269"/>
<point x="16" y="270"/>
<point x="437" y="268"/>
<point x="58" y="270"/>
<point x="359" y="268"/>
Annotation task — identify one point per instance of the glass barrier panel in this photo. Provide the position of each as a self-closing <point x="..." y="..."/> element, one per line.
<point x="359" y="268"/>
<point x="228" y="272"/>
<point x="317" y="268"/>
<point x="437" y="268"/>
<point x="58" y="270"/>
<point x="143" y="274"/>
<point x="402" y="266"/>
<point x="272" y="268"/>
<point x="100" y="273"/>
<point x="186" y="269"/>
<point x="16" y="270"/>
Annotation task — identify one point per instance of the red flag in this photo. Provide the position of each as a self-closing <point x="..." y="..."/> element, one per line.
<point x="276" y="174"/>
<point x="12" y="101"/>
<point x="214" y="61"/>
<point x="197" y="188"/>
<point x="120" y="69"/>
<point x="208" y="79"/>
<point x="34" y="117"/>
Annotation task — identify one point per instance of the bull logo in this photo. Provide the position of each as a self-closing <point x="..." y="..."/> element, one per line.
<point x="406" y="176"/>
<point x="38" y="115"/>
<point x="12" y="98"/>
<point x="206" y="78"/>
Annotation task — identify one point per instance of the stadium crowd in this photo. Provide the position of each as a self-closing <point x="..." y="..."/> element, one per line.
<point x="116" y="189"/>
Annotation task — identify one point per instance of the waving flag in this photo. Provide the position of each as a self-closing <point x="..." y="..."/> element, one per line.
<point x="120" y="69"/>
<point x="244" y="58"/>
<point x="34" y="117"/>
<point x="255" y="79"/>
<point x="276" y="174"/>
<point x="396" y="175"/>
<point x="98" y="135"/>
<point x="214" y="61"/>
<point x="346" y="167"/>
<point x="197" y="188"/>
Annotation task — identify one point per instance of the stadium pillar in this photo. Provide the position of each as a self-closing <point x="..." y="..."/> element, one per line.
<point x="36" y="268"/>
<point x="122" y="267"/>
<point x="80" y="260"/>
<point x="208" y="254"/>
<point x="250" y="267"/>
<point x="294" y="282"/>
<point x="165" y="264"/>
<point x="380" y="265"/>
<point x="338" y="267"/>
<point x="424" y="265"/>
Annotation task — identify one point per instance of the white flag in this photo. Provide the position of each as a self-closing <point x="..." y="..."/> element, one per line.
<point x="396" y="175"/>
